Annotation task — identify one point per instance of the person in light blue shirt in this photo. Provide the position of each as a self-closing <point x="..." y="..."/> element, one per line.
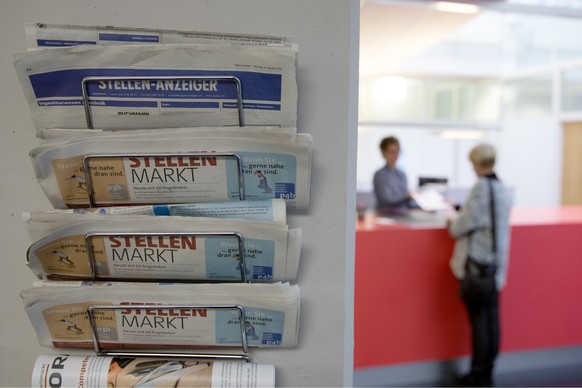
<point x="390" y="183"/>
<point x="482" y="232"/>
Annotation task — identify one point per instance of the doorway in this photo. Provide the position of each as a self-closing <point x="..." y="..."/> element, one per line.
<point x="572" y="164"/>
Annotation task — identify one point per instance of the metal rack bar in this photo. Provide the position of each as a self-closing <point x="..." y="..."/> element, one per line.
<point x="197" y="356"/>
<point x="101" y="351"/>
<point x="87" y="105"/>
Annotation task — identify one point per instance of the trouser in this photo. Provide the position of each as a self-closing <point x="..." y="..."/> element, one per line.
<point x="485" y="333"/>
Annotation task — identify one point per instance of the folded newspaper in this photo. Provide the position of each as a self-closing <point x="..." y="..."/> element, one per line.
<point x="61" y="35"/>
<point x="128" y="372"/>
<point x="266" y="133"/>
<point x="164" y="316"/>
<point x="158" y="86"/>
<point x="89" y="246"/>
<point x="174" y="166"/>
<point x="270" y="210"/>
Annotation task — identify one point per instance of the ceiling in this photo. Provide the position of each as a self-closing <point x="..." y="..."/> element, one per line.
<point x="392" y="33"/>
<point x="397" y="32"/>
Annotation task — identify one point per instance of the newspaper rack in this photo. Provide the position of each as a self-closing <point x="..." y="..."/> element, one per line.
<point x="89" y="179"/>
<point x="93" y="262"/>
<point x="236" y="80"/>
<point x="101" y="351"/>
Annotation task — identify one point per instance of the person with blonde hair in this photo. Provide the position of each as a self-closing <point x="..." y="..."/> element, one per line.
<point x="480" y="261"/>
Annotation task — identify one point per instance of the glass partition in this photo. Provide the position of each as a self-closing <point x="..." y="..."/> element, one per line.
<point x="528" y="97"/>
<point x="395" y="98"/>
<point x="571" y="94"/>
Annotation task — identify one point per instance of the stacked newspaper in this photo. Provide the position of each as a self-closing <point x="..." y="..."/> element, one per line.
<point x="268" y="210"/>
<point x="174" y="166"/>
<point x="168" y="156"/>
<point x="58" y="313"/>
<point x="47" y="35"/>
<point x="77" y="246"/>
<point x="160" y="85"/>
<point x="90" y="371"/>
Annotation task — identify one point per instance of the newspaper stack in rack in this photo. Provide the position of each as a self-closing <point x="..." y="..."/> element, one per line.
<point x="163" y="170"/>
<point x="46" y="35"/>
<point x="163" y="248"/>
<point x="157" y="85"/>
<point x="58" y="313"/>
<point x="268" y="210"/>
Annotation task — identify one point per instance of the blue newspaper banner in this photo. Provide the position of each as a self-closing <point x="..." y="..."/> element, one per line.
<point x="129" y="38"/>
<point x="68" y="83"/>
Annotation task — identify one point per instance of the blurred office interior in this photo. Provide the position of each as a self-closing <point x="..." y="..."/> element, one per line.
<point x="442" y="76"/>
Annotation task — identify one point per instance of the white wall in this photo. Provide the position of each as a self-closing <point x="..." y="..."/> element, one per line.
<point x="529" y="158"/>
<point x="327" y="32"/>
<point x="532" y="160"/>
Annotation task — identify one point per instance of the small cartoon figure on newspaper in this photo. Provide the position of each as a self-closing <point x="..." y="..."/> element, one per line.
<point x="64" y="258"/>
<point x="81" y="182"/>
<point x="263" y="184"/>
<point x="236" y="256"/>
<point x="250" y="329"/>
<point x="72" y="326"/>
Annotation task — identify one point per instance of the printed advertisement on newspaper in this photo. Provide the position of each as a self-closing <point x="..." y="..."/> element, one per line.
<point x="103" y="371"/>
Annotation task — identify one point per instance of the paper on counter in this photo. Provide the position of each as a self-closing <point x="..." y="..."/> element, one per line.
<point x="430" y="200"/>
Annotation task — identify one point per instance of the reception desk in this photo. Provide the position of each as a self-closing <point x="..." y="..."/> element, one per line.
<point x="407" y="308"/>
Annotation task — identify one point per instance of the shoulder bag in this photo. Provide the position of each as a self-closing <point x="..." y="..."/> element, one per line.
<point x="479" y="282"/>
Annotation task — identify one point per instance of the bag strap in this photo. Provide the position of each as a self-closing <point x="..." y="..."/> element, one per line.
<point x="493" y="221"/>
<point x="490" y="178"/>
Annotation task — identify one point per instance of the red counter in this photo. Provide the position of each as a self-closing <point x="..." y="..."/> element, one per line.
<point x="406" y="304"/>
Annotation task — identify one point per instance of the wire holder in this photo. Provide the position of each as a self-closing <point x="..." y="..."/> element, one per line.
<point x="102" y="351"/>
<point x="227" y="78"/>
